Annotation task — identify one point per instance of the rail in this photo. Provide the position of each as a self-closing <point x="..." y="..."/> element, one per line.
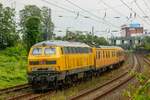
<point x="104" y="89"/>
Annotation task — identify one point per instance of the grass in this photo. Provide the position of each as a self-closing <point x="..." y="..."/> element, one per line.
<point x="13" y="64"/>
<point x="140" y="90"/>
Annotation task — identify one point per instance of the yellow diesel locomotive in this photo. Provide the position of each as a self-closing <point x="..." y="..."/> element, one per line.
<point x="53" y="63"/>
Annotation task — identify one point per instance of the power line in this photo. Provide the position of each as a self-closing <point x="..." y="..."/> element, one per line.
<point x="91" y="14"/>
<point x="146" y="5"/>
<point x="140" y="8"/>
<point x="67" y="9"/>
<point x="71" y="11"/>
<point x="112" y="8"/>
<point x="133" y="11"/>
<point x="58" y="6"/>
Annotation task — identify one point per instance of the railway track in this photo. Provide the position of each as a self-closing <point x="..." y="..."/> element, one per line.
<point x="32" y="96"/>
<point x="106" y="88"/>
<point x="147" y="60"/>
<point x="13" y="89"/>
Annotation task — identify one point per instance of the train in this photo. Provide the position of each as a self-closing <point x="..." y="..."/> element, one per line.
<point x="53" y="63"/>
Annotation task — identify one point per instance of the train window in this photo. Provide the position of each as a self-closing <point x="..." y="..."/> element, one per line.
<point x="99" y="54"/>
<point x="37" y="51"/>
<point x="84" y="50"/>
<point x="87" y="50"/>
<point x="50" y="51"/>
<point x="74" y="50"/>
<point x="90" y="50"/>
<point x="80" y="50"/>
<point x="65" y="50"/>
<point x="103" y="54"/>
<point x="96" y="54"/>
<point x="69" y="50"/>
<point x="112" y="54"/>
<point x="107" y="54"/>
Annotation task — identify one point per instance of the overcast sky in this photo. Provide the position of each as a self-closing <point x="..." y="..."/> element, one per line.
<point x="101" y="13"/>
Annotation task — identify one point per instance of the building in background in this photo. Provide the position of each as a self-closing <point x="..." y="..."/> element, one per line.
<point x="131" y="36"/>
<point x="133" y="29"/>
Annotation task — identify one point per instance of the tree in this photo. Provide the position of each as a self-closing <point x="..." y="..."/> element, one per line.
<point x="32" y="26"/>
<point x="88" y="39"/>
<point x="25" y="14"/>
<point x="28" y="11"/>
<point x="44" y="14"/>
<point x="8" y="36"/>
<point x="147" y="43"/>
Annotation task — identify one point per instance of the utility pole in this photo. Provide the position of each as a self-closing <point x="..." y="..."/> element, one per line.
<point x="48" y="26"/>
<point x="67" y="32"/>
<point x="50" y="23"/>
<point x="92" y="34"/>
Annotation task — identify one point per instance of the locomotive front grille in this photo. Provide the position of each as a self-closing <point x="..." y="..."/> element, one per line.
<point x="43" y="69"/>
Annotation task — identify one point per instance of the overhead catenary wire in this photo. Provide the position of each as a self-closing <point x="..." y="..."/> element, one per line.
<point x="68" y="10"/>
<point x="140" y="9"/>
<point x="134" y="11"/>
<point x="112" y="8"/>
<point x="92" y="14"/>
<point x="146" y="5"/>
<point x="53" y="4"/>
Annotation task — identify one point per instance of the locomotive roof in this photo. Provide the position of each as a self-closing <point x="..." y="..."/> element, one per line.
<point x="109" y="47"/>
<point x="61" y="43"/>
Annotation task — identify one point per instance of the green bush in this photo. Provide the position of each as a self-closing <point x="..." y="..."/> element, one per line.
<point x="142" y="92"/>
<point x="13" y="63"/>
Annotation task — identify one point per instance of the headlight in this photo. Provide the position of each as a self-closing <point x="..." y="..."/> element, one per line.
<point x="51" y="69"/>
<point x="34" y="69"/>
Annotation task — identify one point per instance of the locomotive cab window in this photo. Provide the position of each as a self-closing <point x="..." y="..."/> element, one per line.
<point x="37" y="51"/>
<point x="50" y="51"/>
